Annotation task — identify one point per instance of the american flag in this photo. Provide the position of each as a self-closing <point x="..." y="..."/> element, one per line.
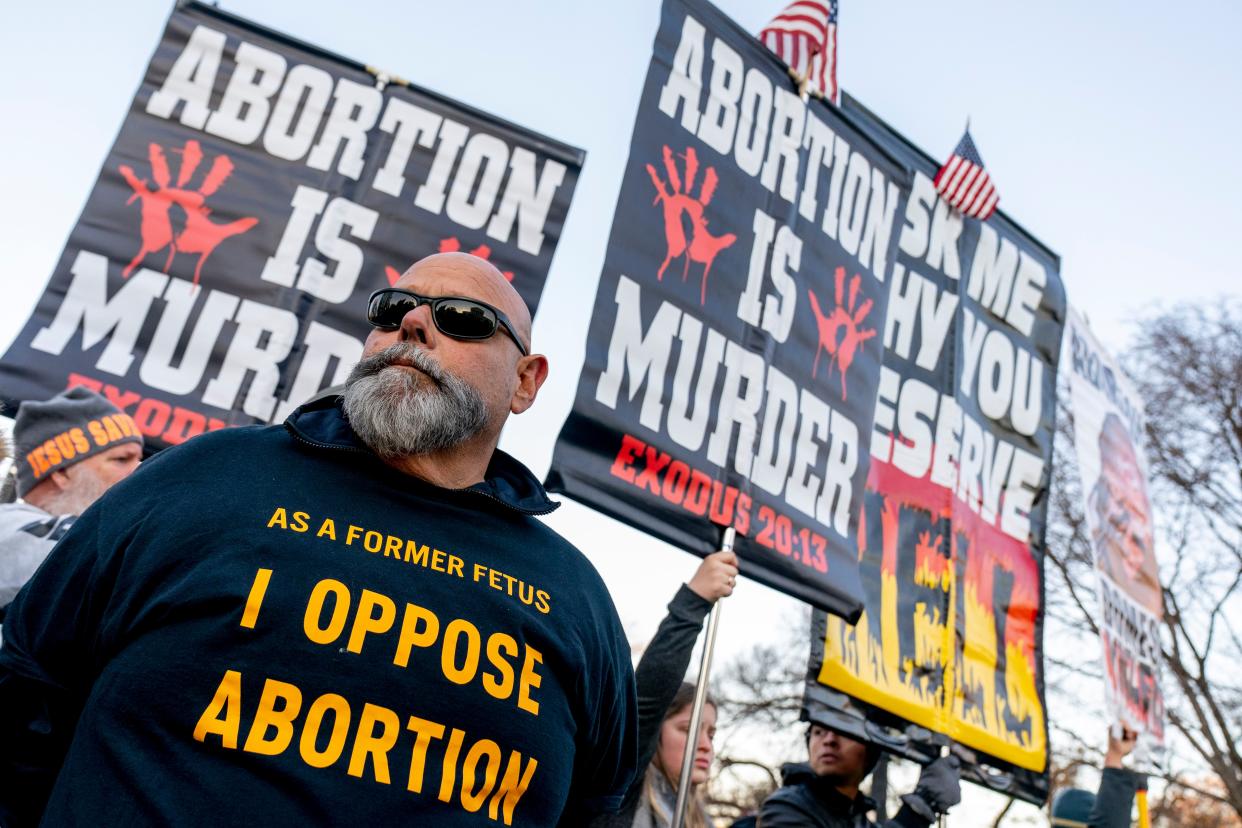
<point x="965" y="184"/>
<point x="804" y="35"/>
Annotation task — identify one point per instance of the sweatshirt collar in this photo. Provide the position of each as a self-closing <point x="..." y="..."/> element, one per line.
<point x="826" y="791"/>
<point x="800" y="773"/>
<point x="321" y="423"/>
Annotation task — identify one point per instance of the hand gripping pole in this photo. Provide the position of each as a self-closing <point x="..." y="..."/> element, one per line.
<point x="700" y="697"/>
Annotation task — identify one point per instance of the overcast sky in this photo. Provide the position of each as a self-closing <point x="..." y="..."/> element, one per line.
<point x="1109" y="128"/>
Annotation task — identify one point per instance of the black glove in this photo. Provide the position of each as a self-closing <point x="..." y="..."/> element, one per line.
<point x="939" y="789"/>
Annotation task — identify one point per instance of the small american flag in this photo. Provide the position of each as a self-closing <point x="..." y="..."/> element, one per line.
<point x="804" y="35"/>
<point x="965" y="184"/>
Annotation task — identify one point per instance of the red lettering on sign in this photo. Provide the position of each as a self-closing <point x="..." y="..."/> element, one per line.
<point x="172" y="424"/>
<point x="694" y="491"/>
<point x="649" y="477"/>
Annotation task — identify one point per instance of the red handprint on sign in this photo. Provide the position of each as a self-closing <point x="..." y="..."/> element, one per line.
<point x="840" y="332"/>
<point x="701" y="247"/>
<point x="199" y="234"/>
<point x="450" y="245"/>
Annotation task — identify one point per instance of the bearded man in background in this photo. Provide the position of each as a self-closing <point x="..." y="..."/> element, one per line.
<point x="68" y="451"/>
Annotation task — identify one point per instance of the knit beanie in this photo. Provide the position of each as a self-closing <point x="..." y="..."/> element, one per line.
<point x="67" y="429"/>
<point x="1071" y="808"/>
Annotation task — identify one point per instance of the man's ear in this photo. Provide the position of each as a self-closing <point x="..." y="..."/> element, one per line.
<point x="531" y="372"/>
<point x="60" y="479"/>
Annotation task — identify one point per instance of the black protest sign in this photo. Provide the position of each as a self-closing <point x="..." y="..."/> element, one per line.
<point x="258" y="191"/>
<point x="950" y="644"/>
<point x="733" y="354"/>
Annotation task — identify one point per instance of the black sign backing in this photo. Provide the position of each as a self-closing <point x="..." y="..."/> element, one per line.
<point x="260" y="188"/>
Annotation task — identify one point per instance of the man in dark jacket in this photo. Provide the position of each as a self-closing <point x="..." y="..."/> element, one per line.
<point x="1118" y="784"/>
<point x="1110" y="806"/>
<point x="351" y="618"/>
<point x="824" y="794"/>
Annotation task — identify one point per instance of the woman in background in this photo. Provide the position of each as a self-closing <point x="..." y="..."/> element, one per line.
<point x="659" y="784"/>
<point x="664" y="705"/>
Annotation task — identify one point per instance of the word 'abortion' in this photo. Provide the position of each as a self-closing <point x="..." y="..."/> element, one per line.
<point x="477" y="179"/>
<point x="764" y="128"/>
<point x="1092" y="365"/>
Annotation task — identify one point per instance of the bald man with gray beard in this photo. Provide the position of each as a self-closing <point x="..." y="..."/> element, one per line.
<point x="355" y="616"/>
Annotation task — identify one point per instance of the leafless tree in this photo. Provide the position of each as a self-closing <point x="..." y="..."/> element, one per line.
<point x="759" y="695"/>
<point x="1187" y="366"/>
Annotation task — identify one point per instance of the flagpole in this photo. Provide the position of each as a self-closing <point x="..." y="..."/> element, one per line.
<point x="700" y="698"/>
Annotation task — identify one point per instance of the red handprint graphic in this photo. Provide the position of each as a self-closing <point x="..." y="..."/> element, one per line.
<point x="450" y="245"/>
<point x="199" y="234"/>
<point x="840" y="333"/>
<point x="702" y="247"/>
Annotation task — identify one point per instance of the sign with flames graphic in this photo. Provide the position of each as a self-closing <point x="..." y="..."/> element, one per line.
<point x="734" y="351"/>
<point x="948" y="650"/>
<point x="1108" y="429"/>
<point x="258" y="191"/>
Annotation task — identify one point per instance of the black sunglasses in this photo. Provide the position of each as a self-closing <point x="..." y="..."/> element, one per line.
<point x="454" y="316"/>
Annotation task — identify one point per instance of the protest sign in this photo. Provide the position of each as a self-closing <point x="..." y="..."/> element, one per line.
<point x="734" y="349"/>
<point x="949" y="647"/>
<point x="259" y="190"/>
<point x="1108" y="429"/>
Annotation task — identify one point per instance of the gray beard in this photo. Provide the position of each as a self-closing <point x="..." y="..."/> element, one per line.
<point x="86" y="486"/>
<point x="396" y="418"/>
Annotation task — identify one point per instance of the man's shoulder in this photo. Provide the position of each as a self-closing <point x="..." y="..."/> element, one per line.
<point x="241" y="436"/>
<point x="569" y="558"/>
<point x="17" y="516"/>
<point x="551" y="539"/>
<point x="20" y="508"/>
<point x="796" y="793"/>
<point x="27" y="535"/>
<point x="790" y="800"/>
<point x="222" y="445"/>
<point x="574" y="567"/>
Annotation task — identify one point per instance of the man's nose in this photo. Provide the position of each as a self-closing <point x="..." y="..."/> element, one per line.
<point x="418" y="327"/>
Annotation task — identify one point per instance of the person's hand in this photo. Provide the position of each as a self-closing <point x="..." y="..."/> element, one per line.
<point x="715" y="576"/>
<point x="1118" y="749"/>
<point x="938" y="790"/>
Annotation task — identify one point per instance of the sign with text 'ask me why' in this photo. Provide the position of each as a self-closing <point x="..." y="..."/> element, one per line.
<point x="951" y="542"/>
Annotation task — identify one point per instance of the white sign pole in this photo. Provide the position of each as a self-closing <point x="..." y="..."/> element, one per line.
<point x="700" y="698"/>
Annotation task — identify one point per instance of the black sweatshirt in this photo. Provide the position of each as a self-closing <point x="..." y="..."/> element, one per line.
<point x="808" y="801"/>
<point x="268" y="624"/>
<point x="660" y="672"/>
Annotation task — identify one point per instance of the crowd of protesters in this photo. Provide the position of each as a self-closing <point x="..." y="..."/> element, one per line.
<point x="170" y="642"/>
